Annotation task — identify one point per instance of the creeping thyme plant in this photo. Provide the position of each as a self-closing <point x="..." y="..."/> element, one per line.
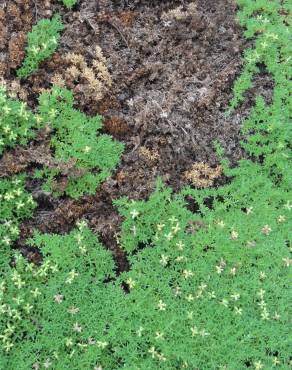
<point x="16" y="205"/>
<point x="205" y="290"/>
<point x="42" y="43"/>
<point x="75" y="139"/>
<point x="16" y="122"/>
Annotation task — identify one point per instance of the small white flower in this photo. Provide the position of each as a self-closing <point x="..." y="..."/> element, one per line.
<point x="68" y="342"/>
<point x="261" y="293"/>
<point x="169" y="236"/>
<point x="221" y="224"/>
<point x="249" y="210"/>
<point x="159" y="336"/>
<point x="281" y="219"/>
<point x="194" y="331"/>
<point x="177" y="291"/>
<point x="47" y="364"/>
<point x="77" y="328"/>
<point x="134" y="213"/>
<point x="266" y="230"/>
<point x="160" y="227"/>
<point x="73" y="310"/>
<point x="187" y="273"/>
<point x="276" y="361"/>
<point x="287" y="261"/>
<point x="262" y="304"/>
<point x="258" y="365"/>
<point x="180" y="245"/>
<point x="203" y="333"/>
<point x="176" y="228"/>
<point x="164" y="260"/>
<point x="235" y="296"/>
<point x="190" y="298"/>
<point x="139" y="331"/>
<point x="131" y="283"/>
<point x="233" y="271"/>
<point x="265" y="314"/>
<point x="237" y="310"/>
<point x="212" y="294"/>
<point x="224" y="302"/>
<point x="152" y="351"/>
<point x="161" y="305"/>
<point x="87" y="149"/>
<point x="219" y="269"/>
<point x="6" y="240"/>
<point x="58" y="298"/>
<point x="190" y="315"/>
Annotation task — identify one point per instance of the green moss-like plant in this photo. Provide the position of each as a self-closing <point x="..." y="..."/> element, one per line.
<point x="16" y="122"/>
<point x="42" y="43"/>
<point x="76" y="139"/>
<point x="16" y="204"/>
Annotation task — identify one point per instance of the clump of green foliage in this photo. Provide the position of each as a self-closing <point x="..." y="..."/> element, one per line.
<point x="16" y="205"/>
<point x="42" y="43"/>
<point x="266" y="21"/>
<point x="219" y="282"/>
<point x="16" y="122"/>
<point x="75" y="139"/>
<point x="69" y="3"/>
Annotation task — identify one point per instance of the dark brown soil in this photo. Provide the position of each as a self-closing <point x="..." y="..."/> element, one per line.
<point x="172" y="73"/>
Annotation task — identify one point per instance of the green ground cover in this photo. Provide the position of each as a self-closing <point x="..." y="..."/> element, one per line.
<point x="205" y="290"/>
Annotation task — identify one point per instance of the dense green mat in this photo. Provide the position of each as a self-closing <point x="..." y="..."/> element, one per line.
<point x="210" y="290"/>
